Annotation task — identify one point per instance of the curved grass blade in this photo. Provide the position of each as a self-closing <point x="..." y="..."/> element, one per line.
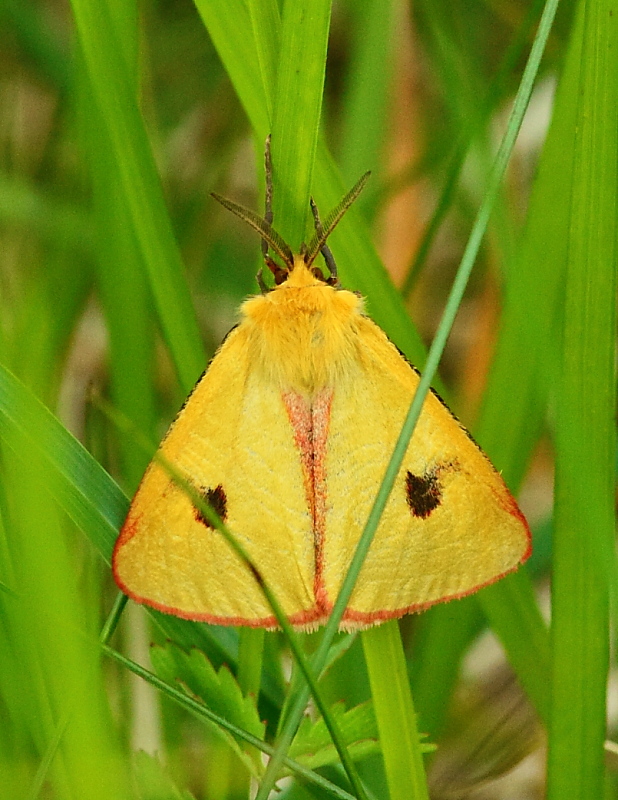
<point x="112" y="89"/>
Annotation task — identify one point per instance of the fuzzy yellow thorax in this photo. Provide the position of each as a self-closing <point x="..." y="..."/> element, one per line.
<point x="303" y="332"/>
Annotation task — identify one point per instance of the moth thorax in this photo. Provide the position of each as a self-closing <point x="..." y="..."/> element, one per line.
<point x="301" y="357"/>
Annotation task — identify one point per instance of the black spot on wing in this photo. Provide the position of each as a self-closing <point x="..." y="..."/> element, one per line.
<point x="217" y="500"/>
<point x="423" y="493"/>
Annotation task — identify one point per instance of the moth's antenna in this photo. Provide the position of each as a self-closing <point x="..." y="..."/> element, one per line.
<point x="325" y="249"/>
<point x="268" y="234"/>
<point x="263" y="225"/>
<point x="319" y="238"/>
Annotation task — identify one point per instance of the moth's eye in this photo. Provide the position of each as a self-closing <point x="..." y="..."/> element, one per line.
<point x="423" y="493"/>
<point x="216" y="498"/>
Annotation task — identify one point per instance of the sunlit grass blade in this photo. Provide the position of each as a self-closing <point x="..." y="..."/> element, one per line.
<point x="121" y="273"/>
<point x="266" y="21"/>
<point x="365" y="116"/>
<point x="583" y="544"/>
<point x="394" y="708"/>
<point x="58" y="688"/>
<point x="357" y="261"/>
<point x="91" y="498"/>
<point x="477" y="123"/>
<point x="113" y="92"/>
<point x="229" y="23"/>
<point x="297" y="106"/>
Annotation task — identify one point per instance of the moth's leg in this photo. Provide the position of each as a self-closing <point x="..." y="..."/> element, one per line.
<point x="325" y="249"/>
<point x="264" y="288"/>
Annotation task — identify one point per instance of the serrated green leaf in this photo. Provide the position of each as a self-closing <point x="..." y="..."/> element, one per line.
<point x="313" y="747"/>
<point x="171" y="668"/>
<point x="218" y="689"/>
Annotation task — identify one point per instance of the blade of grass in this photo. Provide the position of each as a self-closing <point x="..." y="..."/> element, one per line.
<point x="365" y="116"/>
<point x="250" y="654"/>
<point x="184" y="482"/>
<point x="120" y="269"/>
<point x="583" y="544"/>
<point x="113" y="93"/>
<point x="394" y="708"/>
<point x="442" y="635"/>
<point x="461" y="149"/>
<point x="297" y="108"/>
<point x="58" y="672"/>
<point x="230" y="24"/>
<point x="527" y="339"/>
<point x="43" y="770"/>
<point x="357" y="260"/>
<point x="266" y="21"/>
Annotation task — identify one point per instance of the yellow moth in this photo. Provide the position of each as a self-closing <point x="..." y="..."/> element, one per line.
<point x="287" y="436"/>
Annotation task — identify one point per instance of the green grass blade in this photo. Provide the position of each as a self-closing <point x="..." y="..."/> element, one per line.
<point x="526" y="339"/>
<point x="229" y="23"/>
<point x="121" y="275"/>
<point x="250" y="654"/>
<point x="442" y="635"/>
<point x="297" y="109"/>
<point x="266" y="21"/>
<point x="91" y="498"/>
<point x="357" y="260"/>
<point x="368" y="89"/>
<point x="473" y="127"/>
<point x="112" y="88"/>
<point x="57" y="688"/>
<point x="394" y="709"/>
<point x="513" y="614"/>
<point x="583" y="544"/>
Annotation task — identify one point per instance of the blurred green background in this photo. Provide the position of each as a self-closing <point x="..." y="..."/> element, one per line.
<point x="119" y="276"/>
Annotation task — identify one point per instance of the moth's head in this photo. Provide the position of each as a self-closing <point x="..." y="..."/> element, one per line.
<point x="276" y="250"/>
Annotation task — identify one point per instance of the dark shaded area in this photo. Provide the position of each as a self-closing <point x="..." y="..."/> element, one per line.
<point x="423" y="492"/>
<point x="217" y="500"/>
